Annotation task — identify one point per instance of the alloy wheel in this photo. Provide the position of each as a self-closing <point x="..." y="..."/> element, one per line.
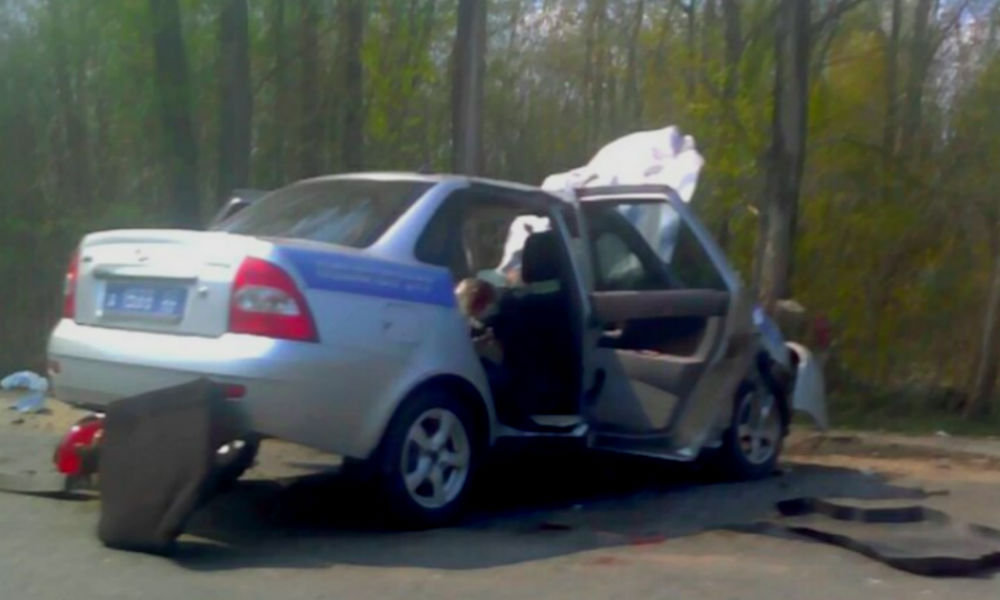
<point x="435" y="458"/>
<point x="758" y="426"/>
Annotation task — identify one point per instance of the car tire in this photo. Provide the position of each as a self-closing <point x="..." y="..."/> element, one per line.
<point x="752" y="444"/>
<point x="429" y="454"/>
<point x="233" y="459"/>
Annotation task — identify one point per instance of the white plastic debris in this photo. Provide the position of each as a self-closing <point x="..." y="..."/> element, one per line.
<point x="36" y="385"/>
<point x="659" y="156"/>
<point x="30" y="403"/>
<point x="25" y="380"/>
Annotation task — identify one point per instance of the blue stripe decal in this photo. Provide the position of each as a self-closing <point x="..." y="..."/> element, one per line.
<point x="340" y="272"/>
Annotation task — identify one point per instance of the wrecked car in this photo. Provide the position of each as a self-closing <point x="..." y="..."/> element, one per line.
<point x="411" y="321"/>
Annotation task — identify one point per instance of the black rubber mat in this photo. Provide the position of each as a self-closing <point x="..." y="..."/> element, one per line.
<point x="911" y="538"/>
<point x="156" y="463"/>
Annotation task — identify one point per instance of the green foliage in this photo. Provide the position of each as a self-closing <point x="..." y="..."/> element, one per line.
<point x="893" y="244"/>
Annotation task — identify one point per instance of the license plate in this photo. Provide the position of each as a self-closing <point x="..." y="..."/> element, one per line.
<point x="145" y="300"/>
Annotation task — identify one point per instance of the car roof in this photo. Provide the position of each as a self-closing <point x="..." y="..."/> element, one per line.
<point x="430" y="178"/>
<point x="594" y="194"/>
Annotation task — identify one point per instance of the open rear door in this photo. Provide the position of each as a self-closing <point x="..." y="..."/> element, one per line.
<point x="655" y="348"/>
<point x="665" y="308"/>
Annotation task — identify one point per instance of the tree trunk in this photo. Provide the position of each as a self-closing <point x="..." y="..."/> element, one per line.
<point x="236" y="103"/>
<point x="515" y="21"/>
<point x="691" y="71"/>
<point x="600" y="72"/>
<point x="28" y="295"/>
<point x="786" y="156"/>
<point x="919" y="64"/>
<point x="76" y="181"/>
<point x="352" y="22"/>
<point x="633" y="89"/>
<point x="588" y="72"/>
<point x="666" y="27"/>
<point x="106" y="155"/>
<point x="469" y="64"/>
<point x="173" y="94"/>
<point x="709" y="24"/>
<point x="890" y="127"/>
<point x="309" y="146"/>
<point x="984" y="382"/>
<point x="733" y="25"/>
<point x="280" y="114"/>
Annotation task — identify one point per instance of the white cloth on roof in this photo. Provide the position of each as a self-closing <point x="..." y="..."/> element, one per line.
<point x="653" y="157"/>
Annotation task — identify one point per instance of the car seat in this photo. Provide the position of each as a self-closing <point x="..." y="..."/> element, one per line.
<point x="541" y="353"/>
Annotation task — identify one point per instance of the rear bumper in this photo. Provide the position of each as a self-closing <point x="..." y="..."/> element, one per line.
<point x="288" y="384"/>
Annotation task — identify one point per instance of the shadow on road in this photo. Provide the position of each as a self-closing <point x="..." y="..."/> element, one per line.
<point x="531" y="507"/>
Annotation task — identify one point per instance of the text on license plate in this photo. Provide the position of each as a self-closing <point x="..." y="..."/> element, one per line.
<point x="157" y="301"/>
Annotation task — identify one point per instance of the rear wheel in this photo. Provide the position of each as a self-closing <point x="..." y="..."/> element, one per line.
<point x="752" y="444"/>
<point x="429" y="455"/>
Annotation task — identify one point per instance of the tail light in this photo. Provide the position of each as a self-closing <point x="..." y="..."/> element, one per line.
<point x="267" y="302"/>
<point x="69" y="286"/>
<point x="73" y="456"/>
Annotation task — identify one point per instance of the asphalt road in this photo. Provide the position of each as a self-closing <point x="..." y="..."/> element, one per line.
<point x="547" y="524"/>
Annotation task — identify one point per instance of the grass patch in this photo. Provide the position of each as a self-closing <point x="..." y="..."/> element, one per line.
<point x="918" y="412"/>
<point x="917" y="423"/>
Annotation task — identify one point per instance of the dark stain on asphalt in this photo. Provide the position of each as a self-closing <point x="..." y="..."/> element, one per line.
<point x="549" y="503"/>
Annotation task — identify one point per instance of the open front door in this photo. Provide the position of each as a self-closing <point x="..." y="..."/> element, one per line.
<point x="663" y="311"/>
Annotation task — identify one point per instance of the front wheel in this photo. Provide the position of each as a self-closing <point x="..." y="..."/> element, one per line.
<point x="428" y="457"/>
<point x="752" y="443"/>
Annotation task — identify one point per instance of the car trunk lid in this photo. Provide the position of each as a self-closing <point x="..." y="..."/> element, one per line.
<point x="174" y="281"/>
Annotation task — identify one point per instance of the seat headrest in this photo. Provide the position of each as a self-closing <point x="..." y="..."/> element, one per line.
<point x="541" y="258"/>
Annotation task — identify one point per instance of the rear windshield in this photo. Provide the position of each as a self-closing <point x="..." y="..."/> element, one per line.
<point x="349" y="212"/>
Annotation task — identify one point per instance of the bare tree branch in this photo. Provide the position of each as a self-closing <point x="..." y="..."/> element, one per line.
<point x="942" y="33"/>
<point x="833" y="14"/>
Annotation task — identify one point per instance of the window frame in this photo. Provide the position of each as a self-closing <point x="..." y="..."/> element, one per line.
<point x="652" y="261"/>
<point x="452" y="209"/>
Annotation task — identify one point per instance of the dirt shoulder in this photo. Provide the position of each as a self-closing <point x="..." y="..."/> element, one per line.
<point x="981" y="451"/>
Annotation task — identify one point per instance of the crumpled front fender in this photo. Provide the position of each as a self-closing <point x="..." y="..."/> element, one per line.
<point x="809" y="393"/>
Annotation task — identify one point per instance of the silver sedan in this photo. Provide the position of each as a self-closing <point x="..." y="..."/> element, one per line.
<point x="410" y="321"/>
